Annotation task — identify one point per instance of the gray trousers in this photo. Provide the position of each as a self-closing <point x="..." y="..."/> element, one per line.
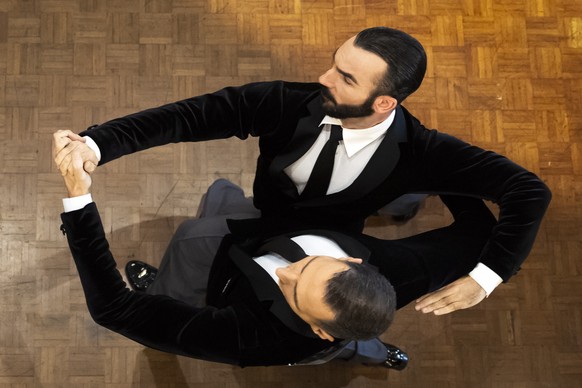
<point x="185" y="267"/>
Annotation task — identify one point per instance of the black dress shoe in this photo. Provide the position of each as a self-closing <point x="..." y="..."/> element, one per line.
<point x="140" y="275"/>
<point x="395" y="358"/>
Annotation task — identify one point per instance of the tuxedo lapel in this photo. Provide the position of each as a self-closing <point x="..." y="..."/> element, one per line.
<point x="376" y="171"/>
<point x="305" y="135"/>
<point x="267" y="290"/>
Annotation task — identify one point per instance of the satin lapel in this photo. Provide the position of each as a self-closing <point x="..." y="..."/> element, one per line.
<point x="305" y="135"/>
<point x="267" y="290"/>
<point x="376" y="171"/>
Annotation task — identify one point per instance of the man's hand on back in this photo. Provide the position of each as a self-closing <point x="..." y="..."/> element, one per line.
<point x="460" y="294"/>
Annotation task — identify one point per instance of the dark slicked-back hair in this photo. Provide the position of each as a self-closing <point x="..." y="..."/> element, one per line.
<point x="404" y="55"/>
<point x="363" y="302"/>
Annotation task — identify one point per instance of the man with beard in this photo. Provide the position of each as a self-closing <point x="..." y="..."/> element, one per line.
<point x="379" y="152"/>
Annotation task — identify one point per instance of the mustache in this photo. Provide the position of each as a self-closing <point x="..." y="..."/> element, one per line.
<point x="327" y="94"/>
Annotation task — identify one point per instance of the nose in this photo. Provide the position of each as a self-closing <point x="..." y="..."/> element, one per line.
<point x="325" y="79"/>
<point x="286" y="274"/>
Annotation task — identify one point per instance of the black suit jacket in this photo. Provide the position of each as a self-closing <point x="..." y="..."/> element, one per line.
<point x="247" y="320"/>
<point x="411" y="158"/>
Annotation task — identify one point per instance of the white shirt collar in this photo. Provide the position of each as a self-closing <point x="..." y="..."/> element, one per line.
<point x="356" y="139"/>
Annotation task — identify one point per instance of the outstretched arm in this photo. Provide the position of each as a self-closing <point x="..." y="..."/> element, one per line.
<point x="153" y="320"/>
<point x="249" y="110"/>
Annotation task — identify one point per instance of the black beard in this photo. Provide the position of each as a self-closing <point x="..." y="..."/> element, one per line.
<point x="342" y="111"/>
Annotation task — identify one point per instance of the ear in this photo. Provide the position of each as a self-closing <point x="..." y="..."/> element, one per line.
<point x="351" y="260"/>
<point x="324" y="335"/>
<point x="385" y="104"/>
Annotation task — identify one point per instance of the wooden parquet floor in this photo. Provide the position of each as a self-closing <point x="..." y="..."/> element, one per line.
<point x="503" y="74"/>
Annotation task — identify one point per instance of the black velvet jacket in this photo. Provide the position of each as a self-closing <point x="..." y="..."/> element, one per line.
<point x="411" y="158"/>
<point x="239" y="326"/>
<point x="247" y="320"/>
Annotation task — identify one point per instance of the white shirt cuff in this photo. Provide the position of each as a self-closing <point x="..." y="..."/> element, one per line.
<point x="76" y="203"/>
<point x="91" y="143"/>
<point x="485" y="277"/>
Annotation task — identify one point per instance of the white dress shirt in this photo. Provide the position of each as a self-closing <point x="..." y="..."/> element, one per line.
<point x="312" y="245"/>
<point x="76" y="203"/>
<point x="350" y="159"/>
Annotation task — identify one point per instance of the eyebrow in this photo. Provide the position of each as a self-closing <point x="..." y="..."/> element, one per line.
<point x="343" y="73"/>
<point x="295" y="288"/>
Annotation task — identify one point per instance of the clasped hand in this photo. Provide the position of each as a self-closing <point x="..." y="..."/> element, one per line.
<point x="75" y="160"/>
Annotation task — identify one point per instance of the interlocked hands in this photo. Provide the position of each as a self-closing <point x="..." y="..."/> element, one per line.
<point x="75" y="160"/>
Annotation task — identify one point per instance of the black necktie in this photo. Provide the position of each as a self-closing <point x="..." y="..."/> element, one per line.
<point x="284" y="247"/>
<point x="318" y="181"/>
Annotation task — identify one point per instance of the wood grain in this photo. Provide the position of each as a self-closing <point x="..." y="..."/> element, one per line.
<point x="503" y="74"/>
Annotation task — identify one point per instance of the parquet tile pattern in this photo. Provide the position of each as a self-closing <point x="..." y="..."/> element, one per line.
<point x="503" y="74"/>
